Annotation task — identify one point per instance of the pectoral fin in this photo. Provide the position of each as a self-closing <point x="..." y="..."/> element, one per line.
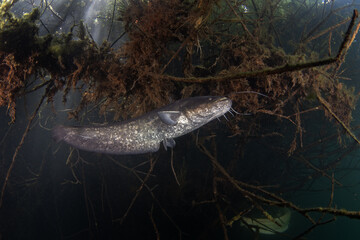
<point x="169" y="142"/>
<point x="169" y="117"/>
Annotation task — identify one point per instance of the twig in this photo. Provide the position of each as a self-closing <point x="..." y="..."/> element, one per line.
<point x="329" y="44"/>
<point x="86" y="198"/>
<point x="332" y="190"/>
<point x="20" y="144"/>
<point x="327" y="107"/>
<point x="175" y="54"/>
<point x="133" y="169"/>
<point x="153" y="223"/>
<point x="223" y="222"/>
<point x="39" y="86"/>
<point x="277" y="115"/>
<point x="354" y="34"/>
<point x="255" y="8"/>
<point x="6" y="134"/>
<point x="241" y="22"/>
<point x="312" y="228"/>
<point x="158" y="203"/>
<point x="135" y="172"/>
<point x="172" y="166"/>
<point x="277" y="70"/>
<point x="263" y="72"/>
<point x="112" y="20"/>
<point x="43" y="24"/>
<point x="53" y="11"/>
<point x="333" y="211"/>
<point x="278" y="200"/>
<point x="345" y="45"/>
<point x="117" y="39"/>
<point x="325" y="19"/>
<point x="304" y="111"/>
<point x="152" y="164"/>
<point x="322" y="172"/>
<point x="327" y="30"/>
<point x="215" y="192"/>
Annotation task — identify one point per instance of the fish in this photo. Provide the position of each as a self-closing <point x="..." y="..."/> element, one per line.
<point x="145" y="133"/>
<point x="265" y="226"/>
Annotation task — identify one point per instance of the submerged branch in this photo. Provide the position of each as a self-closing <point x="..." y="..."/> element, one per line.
<point x="278" y="201"/>
<point x="138" y="191"/>
<point x="259" y="73"/>
<point x="346" y="128"/>
<point x="278" y="70"/>
<point x="327" y="30"/>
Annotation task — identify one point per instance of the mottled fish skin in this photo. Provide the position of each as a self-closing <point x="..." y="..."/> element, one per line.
<point x="145" y="133"/>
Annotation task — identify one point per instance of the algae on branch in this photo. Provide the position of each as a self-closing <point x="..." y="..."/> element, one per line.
<point x="5" y="7"/>
<point x="19" y="35"/>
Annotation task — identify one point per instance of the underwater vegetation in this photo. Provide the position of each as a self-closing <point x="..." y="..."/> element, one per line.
<point x="279" y="79"/>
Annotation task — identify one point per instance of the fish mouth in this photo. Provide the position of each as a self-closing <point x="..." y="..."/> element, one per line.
<point x="223" y="105"/>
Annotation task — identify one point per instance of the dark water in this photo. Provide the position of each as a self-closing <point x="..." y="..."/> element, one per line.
<point x="44" y="200"/>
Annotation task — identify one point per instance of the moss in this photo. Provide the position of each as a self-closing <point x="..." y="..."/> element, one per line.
<point x="64" y="51"/>
<point x="5" y="7"/>
<point x="19" y="36"/>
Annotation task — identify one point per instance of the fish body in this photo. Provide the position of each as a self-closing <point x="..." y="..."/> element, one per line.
<point x="265" y="226"/>
<point x="145" y="133"/>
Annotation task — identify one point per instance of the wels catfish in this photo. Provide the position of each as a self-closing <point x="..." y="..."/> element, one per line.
<point x="145" y="133"/>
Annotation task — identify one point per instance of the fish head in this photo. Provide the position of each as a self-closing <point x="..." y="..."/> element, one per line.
<point x="203" y="109"/>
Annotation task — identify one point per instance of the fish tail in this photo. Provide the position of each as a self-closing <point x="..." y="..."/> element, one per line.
<point x="59" y="133"/>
